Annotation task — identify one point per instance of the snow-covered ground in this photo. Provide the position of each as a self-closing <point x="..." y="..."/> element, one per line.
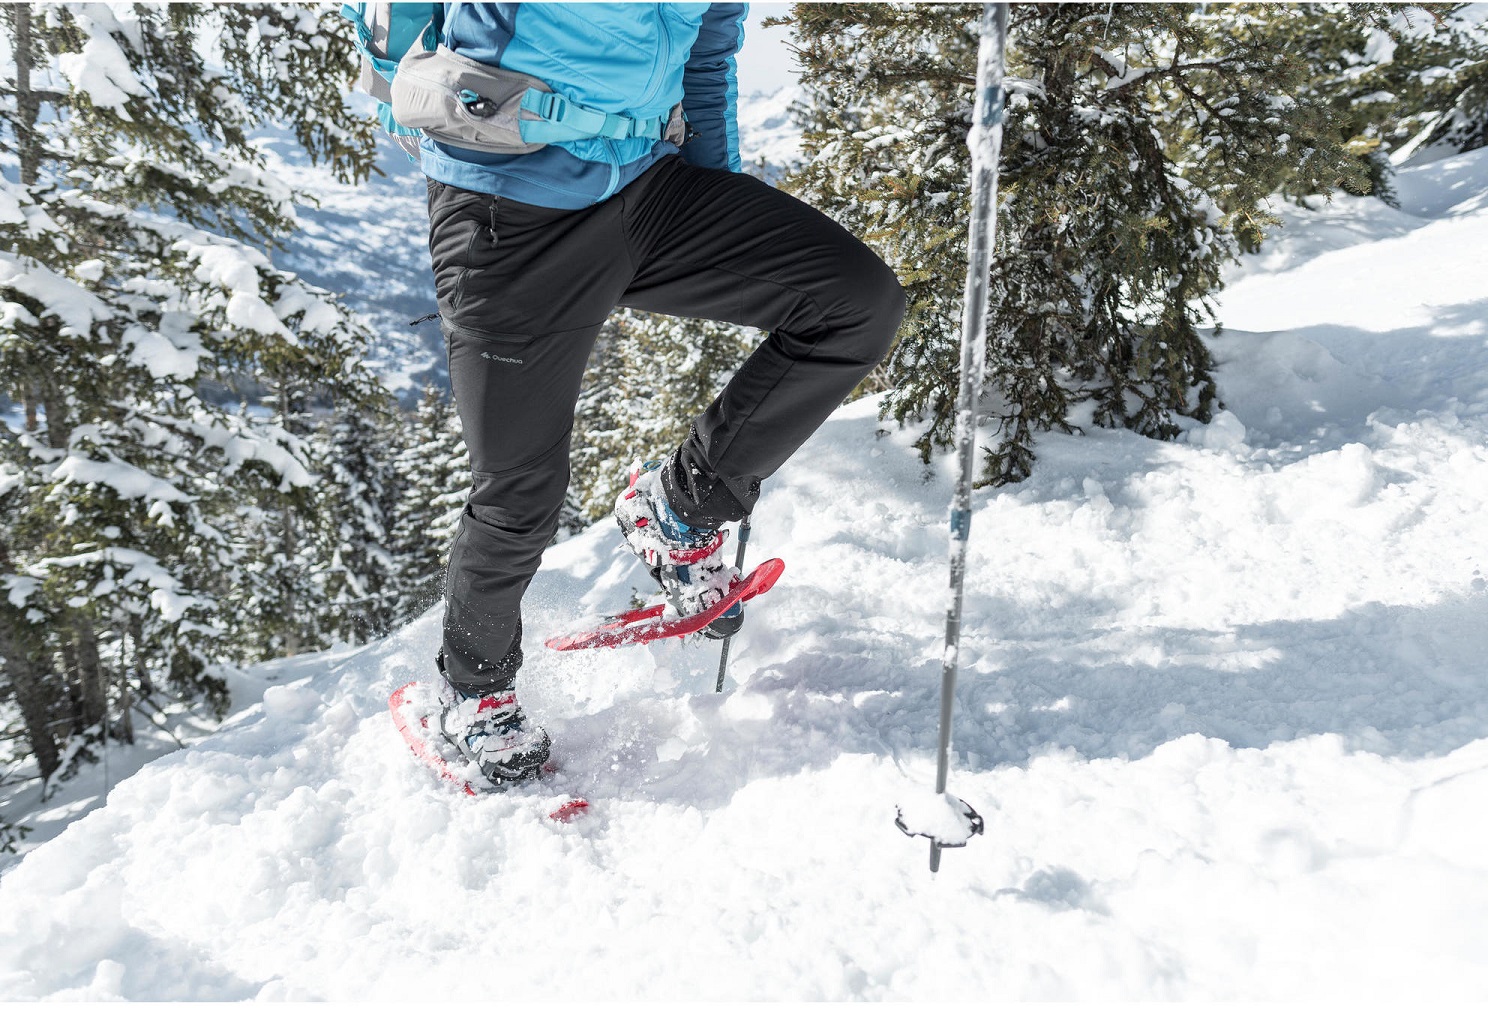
<point x="370" y="243"/>
<point x="767" y="133"/>
<point x="1223" y="707"/>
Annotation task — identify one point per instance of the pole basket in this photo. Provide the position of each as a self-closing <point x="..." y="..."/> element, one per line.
<point x="946" y="820"/>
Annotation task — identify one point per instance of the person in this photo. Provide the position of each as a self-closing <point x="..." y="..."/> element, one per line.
<point x="532" y="251"/>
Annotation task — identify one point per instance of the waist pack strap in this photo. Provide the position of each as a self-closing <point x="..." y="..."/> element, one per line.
<point x="463" y="102"/>
<point x="562" y="120"/>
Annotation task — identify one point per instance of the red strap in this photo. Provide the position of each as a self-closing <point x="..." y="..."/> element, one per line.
<point x="687" y="556"/>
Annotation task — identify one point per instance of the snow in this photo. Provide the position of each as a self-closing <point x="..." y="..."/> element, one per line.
<point x="165" y="358"/>
<point x="233" y="268"/>
<point x="767" y="131"/>
<point x="19" y="589"/>
<point x="1220" y="704"/>
<point x="102" y="73"/>
<point x="165" y="592"/>
<point x="944" y="817"/>
<point x="128" y="482"/>
<point x="248" y="311"/>
<point x="74" y="306"/>
<point x="10" y="209"/>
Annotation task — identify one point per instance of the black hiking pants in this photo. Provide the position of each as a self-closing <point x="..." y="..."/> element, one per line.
<point x="523" y="291"/>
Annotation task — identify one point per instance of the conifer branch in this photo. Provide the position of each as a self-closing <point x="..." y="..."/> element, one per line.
<point x="1177" y="71"/>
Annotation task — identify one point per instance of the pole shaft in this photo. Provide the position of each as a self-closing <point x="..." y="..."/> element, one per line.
<point x="729" y="640"/>
<point x="985" y="143"/>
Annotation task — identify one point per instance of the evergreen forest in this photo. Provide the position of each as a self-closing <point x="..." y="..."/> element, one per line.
<point x="198" y="468"/>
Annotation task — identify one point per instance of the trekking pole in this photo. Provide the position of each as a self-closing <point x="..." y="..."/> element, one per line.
<point x="739" y="565"/>
<point x="985" y="142"/>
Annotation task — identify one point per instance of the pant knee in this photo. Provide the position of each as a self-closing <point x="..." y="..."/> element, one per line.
<point x="877" y="304"/>
<point x="888" y="311"/>
<point x="522" y="502"/>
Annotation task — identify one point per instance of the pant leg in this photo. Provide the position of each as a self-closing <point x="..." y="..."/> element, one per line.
<point x="724" y="246"/>
<point x="522" y="291"/>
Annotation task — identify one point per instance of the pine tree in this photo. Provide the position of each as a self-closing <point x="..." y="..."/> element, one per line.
<point x="649" y="377"/>
<point x="131" y="308"/>
<point x="452" y="471"/>
<point x="355" y="569"/>
<point x="1396" y="77"/>
<point x="1141" y="144"/>
<point x="429" y="468"/>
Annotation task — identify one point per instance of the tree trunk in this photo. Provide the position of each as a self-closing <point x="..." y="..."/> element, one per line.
<point x="28" y="144"/>
<point x="31" y="695"/>
<point x="58" y="431"/>
<point x="66" y="661"/>
<point x="90" y="670"/>
<point x="28" y="680"/>
<point x="28" y="103"/>
<point x="126" y="711"/>
<point x="141" y="663"/>
<point x="126" y="697"/>
<point x="292" y="636"/>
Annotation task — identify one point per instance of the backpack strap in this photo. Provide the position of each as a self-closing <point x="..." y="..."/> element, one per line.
<point x="385" y="63"/>
<point x="562" y="120"/>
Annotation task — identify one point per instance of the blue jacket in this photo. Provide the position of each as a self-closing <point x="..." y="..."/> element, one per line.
<point x="639" y="60"/>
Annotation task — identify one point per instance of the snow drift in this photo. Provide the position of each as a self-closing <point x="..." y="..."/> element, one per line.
<point x="1222" y="706"/>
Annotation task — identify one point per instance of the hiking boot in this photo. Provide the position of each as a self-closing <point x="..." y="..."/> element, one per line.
<point x="685" y="560"/>
<point x="492" y="732"/>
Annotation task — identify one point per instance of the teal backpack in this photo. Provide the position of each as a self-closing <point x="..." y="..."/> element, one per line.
<point x="385" y="32"/>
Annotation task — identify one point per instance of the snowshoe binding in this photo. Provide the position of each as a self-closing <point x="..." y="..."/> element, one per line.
<point x="492" y="732"/>
<point x="685" y="560"/>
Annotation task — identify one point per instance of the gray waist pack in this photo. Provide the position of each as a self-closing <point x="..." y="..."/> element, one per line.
<point x="462" y="102"/>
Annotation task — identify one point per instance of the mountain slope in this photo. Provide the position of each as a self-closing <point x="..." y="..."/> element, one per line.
<point x="1221" y="706"/>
